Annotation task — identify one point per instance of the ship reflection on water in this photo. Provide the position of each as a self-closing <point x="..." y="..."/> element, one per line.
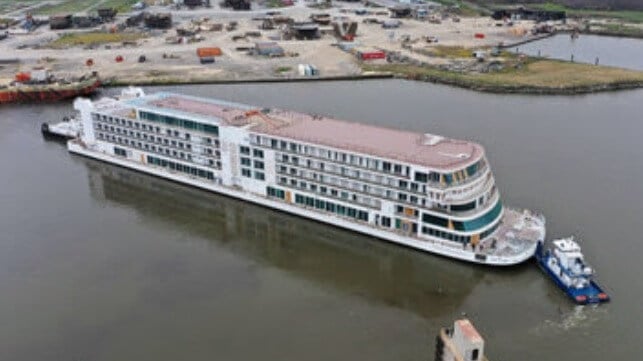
<point x="358" y="265"/>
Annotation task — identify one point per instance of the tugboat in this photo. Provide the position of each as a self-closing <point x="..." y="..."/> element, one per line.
<point x="566" y="266"/>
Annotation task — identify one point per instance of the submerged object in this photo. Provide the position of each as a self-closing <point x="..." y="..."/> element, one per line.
<point x="565" y="264"/>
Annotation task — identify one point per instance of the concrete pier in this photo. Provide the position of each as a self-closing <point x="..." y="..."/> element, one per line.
<point x="462" y="342"/>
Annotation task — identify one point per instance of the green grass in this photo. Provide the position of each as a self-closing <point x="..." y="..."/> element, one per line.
<point x="283" y="69"/>
<point x="274" y="4"/>
<point x="122" y="6"/>
<point x="444" y="51"/>
<point x="617" y="30"/>
<point x="82" y="39"/>
<point x="66" y="7"/>
<point x="625" y="15"/>
<point x="464" y="8"/>
<point x="11" y="5"/>
<point x="548" y="75"/>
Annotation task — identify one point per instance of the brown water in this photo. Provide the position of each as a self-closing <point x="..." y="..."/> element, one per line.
<point x="101" y="263"/>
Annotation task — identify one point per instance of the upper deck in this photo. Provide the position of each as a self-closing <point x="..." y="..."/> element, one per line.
<point x="415" y="148"/>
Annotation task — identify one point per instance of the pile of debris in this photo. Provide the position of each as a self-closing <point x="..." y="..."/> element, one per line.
<point x="236" y="4"/>
<point x="158" y="21"/>
<point x="135" y="20"/>
<point x="195" y="3"/>
<point x="80" y="20"/>
<point x="58" y="22"/>
<point x="302" y="31"/>
<point x="272" y="21"/>
<point x="269" y="49"/>
<point x="321" y="19"/>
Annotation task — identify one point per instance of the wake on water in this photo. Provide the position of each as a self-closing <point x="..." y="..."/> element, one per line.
<point x="578" y="318"/>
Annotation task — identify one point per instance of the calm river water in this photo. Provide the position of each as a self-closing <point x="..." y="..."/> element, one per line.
<point x="612" y="51"/>
<point x="101" y="263"/>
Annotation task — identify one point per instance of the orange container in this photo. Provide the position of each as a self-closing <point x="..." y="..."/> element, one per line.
<point x="208" y="52"/>
<point x="23" y="76"/>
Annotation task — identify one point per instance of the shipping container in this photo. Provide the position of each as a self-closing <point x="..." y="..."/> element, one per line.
<point x="208" y="52"/>
<point x="302" y="69"/>
<point x="39" y="74"/>
<point x="206" y="60"/>
<point x="370" y="54"/>
<point x="23" y="77"/>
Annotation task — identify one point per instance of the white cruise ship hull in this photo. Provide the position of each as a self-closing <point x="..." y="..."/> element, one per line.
<point x="519" y="249"/>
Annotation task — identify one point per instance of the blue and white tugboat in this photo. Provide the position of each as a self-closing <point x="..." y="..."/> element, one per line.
<point x="566" y="266"/>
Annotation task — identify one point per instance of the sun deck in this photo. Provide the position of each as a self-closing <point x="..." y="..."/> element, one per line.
<point x="517" y="232"/>
<point x="415" y="148"/>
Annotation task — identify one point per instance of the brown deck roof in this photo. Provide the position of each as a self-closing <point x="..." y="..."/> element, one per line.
<point x="410" y="147"/>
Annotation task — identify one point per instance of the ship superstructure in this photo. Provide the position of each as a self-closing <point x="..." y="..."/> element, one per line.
<point x="419" y="190"/>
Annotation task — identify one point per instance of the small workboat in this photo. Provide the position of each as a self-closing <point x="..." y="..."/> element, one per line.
<point x="566" y="266"/>
<point x="69" y="128"/>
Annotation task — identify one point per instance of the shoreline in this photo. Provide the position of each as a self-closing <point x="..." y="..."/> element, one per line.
<point x="526" y="90"/>
<point x="114" y="82"/>
<point x="436" y="79"/>
<point x="535" y="77"/>
<point x="527" y="41"/>
<point x="610" y="33"/>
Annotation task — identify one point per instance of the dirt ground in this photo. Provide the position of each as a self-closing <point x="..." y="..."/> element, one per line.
<point x="181" y="62"/>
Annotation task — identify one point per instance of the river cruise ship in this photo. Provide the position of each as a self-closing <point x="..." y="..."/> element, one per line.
<point x="419" y="190"/>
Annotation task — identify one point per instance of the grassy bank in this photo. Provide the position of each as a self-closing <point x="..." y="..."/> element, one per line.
<point x="92" y="38"/>
<point x="625" y="15"/>
<point x="12" y="5"/>
<point x="74" y="6"/>
<point x="465" y="8"/>
<point x="535" y="77"/>
<point x="122" y="6"/>
<point x="65" y="7"/>
<point x="616" y="30"/>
